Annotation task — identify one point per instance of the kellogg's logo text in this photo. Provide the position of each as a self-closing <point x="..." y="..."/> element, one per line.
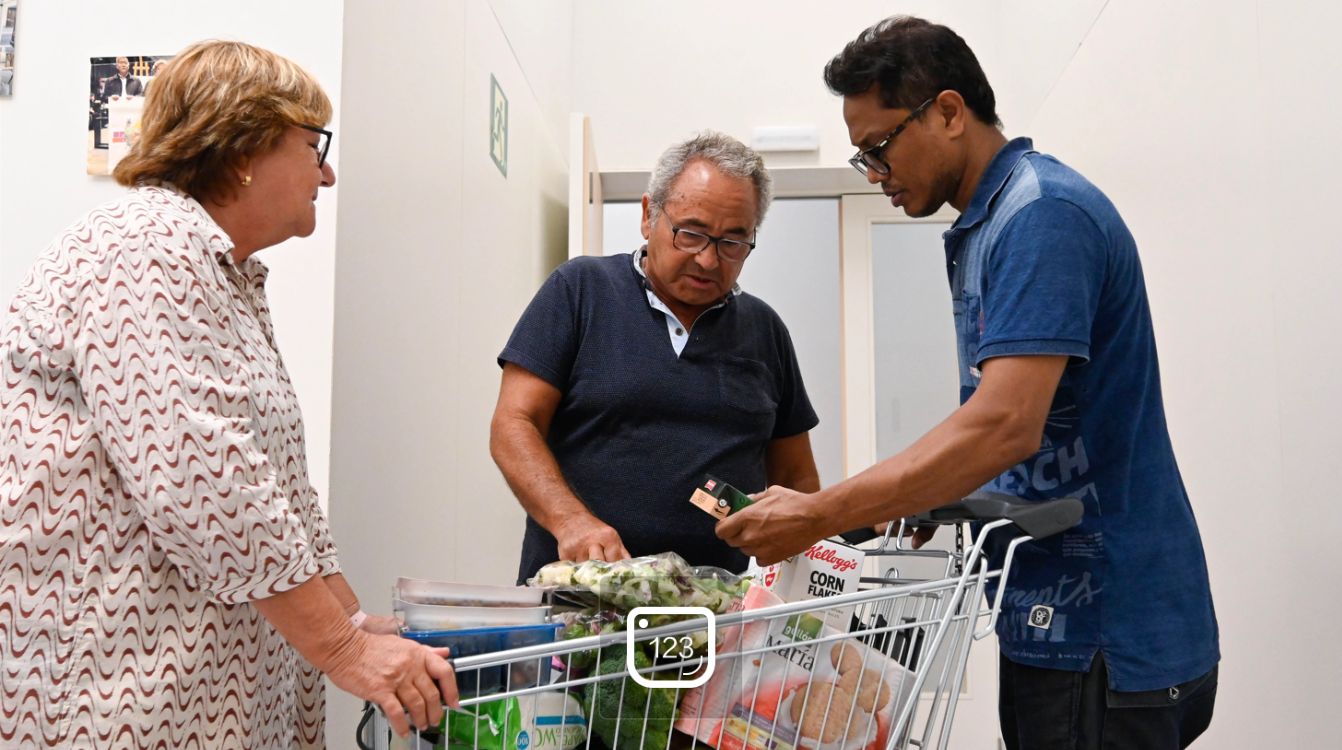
<point x="828" y="555"/>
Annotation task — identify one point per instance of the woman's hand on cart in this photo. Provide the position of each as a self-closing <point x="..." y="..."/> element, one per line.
<point x="381" y="625"/>
<point x="410" y="682"/>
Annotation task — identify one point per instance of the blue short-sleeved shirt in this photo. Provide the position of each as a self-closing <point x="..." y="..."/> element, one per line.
<point x="1041" y="263"/>
<point x="639" y="426"/>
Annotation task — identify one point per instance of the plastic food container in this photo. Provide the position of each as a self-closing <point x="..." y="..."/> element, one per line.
<point x="475" y="641"/>
<point x="420" y="591"/>
<point x="449" y="617"/>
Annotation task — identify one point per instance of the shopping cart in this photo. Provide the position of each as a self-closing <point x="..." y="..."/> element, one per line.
<point x="876" y="669"/>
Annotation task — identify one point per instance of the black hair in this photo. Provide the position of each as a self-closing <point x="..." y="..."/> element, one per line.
<point x="912" y="60"/>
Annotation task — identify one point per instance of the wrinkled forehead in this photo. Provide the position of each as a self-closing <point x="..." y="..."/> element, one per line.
<point x="721" y="207"/>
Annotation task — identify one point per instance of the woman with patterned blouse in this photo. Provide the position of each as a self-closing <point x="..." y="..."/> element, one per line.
<point x="167" y="578"/>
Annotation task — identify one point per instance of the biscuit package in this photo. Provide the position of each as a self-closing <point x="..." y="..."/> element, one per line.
<point x="801" y="692"/>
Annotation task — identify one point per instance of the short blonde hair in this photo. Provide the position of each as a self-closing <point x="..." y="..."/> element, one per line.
<point x="213" y="105"/>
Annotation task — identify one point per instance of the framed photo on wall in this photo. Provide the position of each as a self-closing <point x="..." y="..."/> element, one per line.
<point x="117" y="87"/>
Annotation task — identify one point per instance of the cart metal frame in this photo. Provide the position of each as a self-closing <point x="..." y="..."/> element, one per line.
<point x="903" y="625"/>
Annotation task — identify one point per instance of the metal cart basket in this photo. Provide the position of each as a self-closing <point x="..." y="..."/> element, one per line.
<point x="876" y="669"/>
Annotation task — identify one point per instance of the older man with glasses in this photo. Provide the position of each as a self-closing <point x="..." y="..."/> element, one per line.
<point x="630" y="377"/>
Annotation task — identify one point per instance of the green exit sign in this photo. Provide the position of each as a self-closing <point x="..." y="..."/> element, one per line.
<point x="498" y="126"/>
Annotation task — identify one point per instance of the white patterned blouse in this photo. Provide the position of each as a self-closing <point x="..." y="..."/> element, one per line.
<point x="153" y="480"/>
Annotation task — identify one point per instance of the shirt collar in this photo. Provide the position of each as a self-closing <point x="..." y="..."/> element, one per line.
<point x="993" y="180"/>
<point x="217" y="240"/>
<point x="642" y="253"/>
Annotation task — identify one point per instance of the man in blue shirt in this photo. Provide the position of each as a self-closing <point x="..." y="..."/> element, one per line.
<point x="1108" y="635"/>
<point x="630" y="377"/>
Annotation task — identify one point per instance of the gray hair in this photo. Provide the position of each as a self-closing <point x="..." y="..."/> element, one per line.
<point x="729" y="155"/>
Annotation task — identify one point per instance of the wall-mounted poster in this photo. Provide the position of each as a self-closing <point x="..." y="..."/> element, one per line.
<point x="9" y="13"/>
<point x="117" y="86"/>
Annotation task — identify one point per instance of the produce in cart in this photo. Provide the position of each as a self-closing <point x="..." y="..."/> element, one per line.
<point x="620" y="710"/>
<point x="624" y="712"/>
<point x="583" y="624"/>
<point x="610" y="590"/>
<point x="664" y="580"/>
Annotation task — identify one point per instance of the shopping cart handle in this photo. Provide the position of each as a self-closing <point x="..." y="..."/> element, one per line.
<point x="1038" y="519"/>
<point x="858" y="536"/>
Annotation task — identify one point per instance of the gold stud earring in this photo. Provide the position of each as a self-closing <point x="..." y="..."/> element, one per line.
<point x="246" y="180"/>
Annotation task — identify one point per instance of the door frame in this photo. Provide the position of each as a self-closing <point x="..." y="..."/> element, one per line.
<point x="857" y="373"/>
<point x="585" y="198"/>
<point x="857" y="215"/>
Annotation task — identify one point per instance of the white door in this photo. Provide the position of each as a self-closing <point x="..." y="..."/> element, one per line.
<point x="900" y="380"/>
<point x="584" y="189"/>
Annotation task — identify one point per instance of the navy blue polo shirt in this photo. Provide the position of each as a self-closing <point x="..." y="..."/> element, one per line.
<point x="1041" y="263"/>
<point x="637" y="426"/>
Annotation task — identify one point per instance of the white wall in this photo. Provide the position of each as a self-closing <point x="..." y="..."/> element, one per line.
<point x="540" y="36"/>
<point x="649" y="73"/>
<point x="438" y="255"/>
<point x="44" y="127"/>
<point x="1209" y="124"/>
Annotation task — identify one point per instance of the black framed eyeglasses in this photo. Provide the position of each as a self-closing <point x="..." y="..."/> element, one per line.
<point x="323" y="142"/>
<point x="872" y="159"/>
<point x="692" y="242"/>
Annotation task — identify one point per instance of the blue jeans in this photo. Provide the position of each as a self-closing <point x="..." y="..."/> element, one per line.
<point x="1050" y="709"/>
